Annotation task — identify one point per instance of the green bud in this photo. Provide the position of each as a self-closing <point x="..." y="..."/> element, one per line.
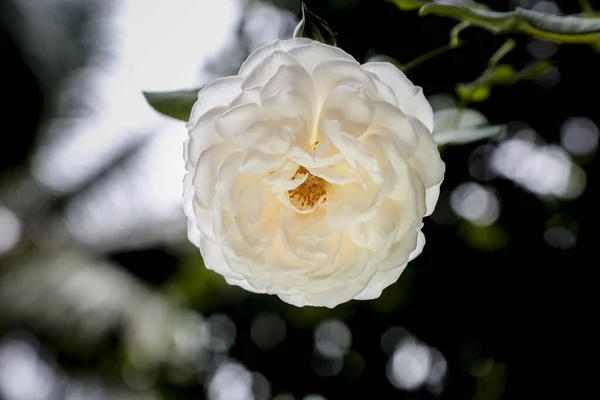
<point x="312" y="26"/>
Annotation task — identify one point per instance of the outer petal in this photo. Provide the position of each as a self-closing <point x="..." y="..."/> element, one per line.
<point x="312" y="54"/>
<point x="411" y="99"/>
<point x="328" y="299"/>
<point x="269" y="66"/>
<point x="258" y="55"/>
<point x="214" y="260"/>
<point x="431" y="198"/>
<point x="331" y="73"/>
<point x="388" y="273"/>
<point x="429" y="164"/>
<point x="202" y="136"/>
<point x="217" y="93"/>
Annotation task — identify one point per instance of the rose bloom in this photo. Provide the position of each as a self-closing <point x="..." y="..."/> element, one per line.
<point x="309" y="174"/>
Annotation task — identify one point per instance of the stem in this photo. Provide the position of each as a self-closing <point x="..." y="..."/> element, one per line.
<point x="454" y="39"/>
<point x="506" y="48"/>
<point x="424" y="57"/>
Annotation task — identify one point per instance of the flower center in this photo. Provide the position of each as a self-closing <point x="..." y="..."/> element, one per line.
<point x="310" y="194"/>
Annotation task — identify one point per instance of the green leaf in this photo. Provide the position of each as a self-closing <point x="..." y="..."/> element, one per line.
<point x="455" y="126"/>
<point x="312" y="26"/>
<point x="469" y="135"/>
<point x="560" y="24"/>
<point x="565" y="29"/>
<point x="409" y="5"/>
<point x="503" y="74"/>
<point x="176" y="105"/>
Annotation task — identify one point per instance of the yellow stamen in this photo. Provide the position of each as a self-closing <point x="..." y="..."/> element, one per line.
<point x="310" y="194"/>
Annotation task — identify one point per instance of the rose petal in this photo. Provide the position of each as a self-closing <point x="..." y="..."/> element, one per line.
<point x="290" y="78"/>
<point x="306" y="160"/>
<point x="258" y="56"/>
<point x="205" y="178"/>
<point x="391" y="121"/>
<point x="202" y="135"/>
<point x="350" y="107"/>
<point x="427" y="160"/>
<point x="352" y="149"/>
<point x="332" y="73"/>
<point x="269" y="66"/>
<point x="390" y="269"/>
<point x="261" y="163"/>
<point x="236" y="120"/>
<point x="384" y="91"/>
<point x="312" y="54"/>
<point x="411" y="99"/>
<point x="219" y="92"/>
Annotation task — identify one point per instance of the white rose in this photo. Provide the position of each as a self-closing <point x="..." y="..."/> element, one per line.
<point x="309" y="174"/>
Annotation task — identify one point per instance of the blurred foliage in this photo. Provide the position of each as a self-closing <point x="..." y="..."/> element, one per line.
<point x="148" y="327"/>
<point x="176" y="105"/>
<point x="584" y="28"/>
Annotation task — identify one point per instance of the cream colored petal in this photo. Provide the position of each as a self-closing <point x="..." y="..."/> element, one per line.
<point x="427" y="160"/>
<point x="237" y="120"/>
<point x="219" y="92"/>
<point x="229" y="180"/>
<point x="205" y="177"/>
<point x="248" y="137"/>
<point x="390" y="269"/>
<point x="204" y="222"/>
<point x="350" y="107"/>
<point x="251" y="95"/>
<point x="261" y="163"/>
<point x="432" y="195"/>
<point x="288" y="105"/>
<point x="193" y="233"/>
<point x="374" y="234"/>
<point x="348" y="203"/>
<point x="266" y="137"/>
<point x="202" y="135"/>
<point x="214" y="260"/>
<point x="312" y="54"/>
<point x="329" y="299"/>
<point x="290" y="78"/>
<point x="257" y="57"/>
<point x="306" y="160"/>
<point x="353" y="150"/>
<point x="335" y="175"/>
<point x="269" y="66"/>
<point x="389" y="153"/>
<point x="285" y="178"/>
<point x="391" y="121"/>
<point x="330" y="74"/>
<point x="384" y="91"/>
<point x="411" y="99"/>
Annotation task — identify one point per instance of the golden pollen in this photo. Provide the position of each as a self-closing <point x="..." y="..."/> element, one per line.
<point x="310" y="194"/>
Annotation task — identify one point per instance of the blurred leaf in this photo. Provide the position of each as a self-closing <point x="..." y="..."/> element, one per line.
<point x="473" y="93"/>
<point x="312" y="26"/>
<point x="469" y="135"/>
<point x="487" y="238"/>
<point x="384" y="58"/>
<point x="456" y="126"/>
<point x="536" y="70"/>
<point x="408" y="5"/>
<point x="176" y="105"/>
<point x="491" y="385"/>
<point x="479" y="90"/>
<point x="566" y="29"/>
